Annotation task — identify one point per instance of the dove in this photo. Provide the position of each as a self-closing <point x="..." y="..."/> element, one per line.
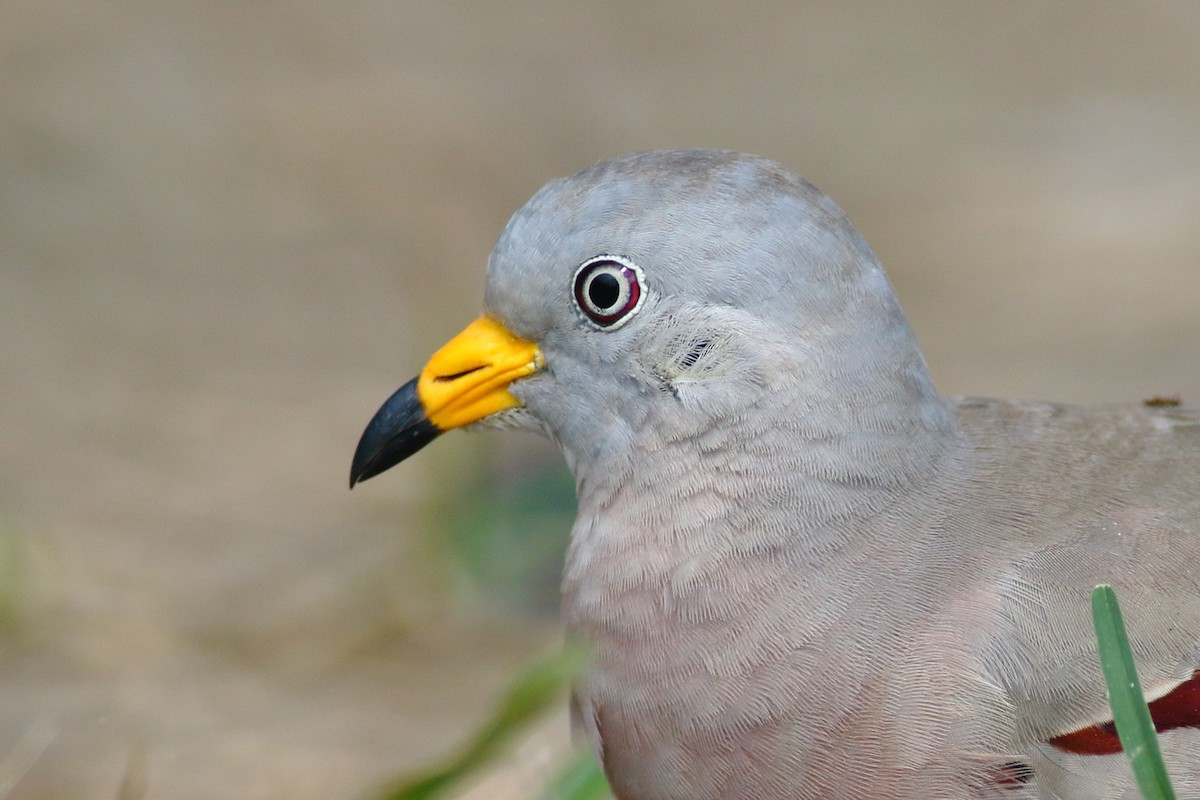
<point x="801" y="571"/>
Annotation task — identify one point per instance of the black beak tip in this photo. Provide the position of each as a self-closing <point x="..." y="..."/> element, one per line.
<point x="357" y="472"/>
<point x="360" y="467"/>
<point x="398" y="430"/>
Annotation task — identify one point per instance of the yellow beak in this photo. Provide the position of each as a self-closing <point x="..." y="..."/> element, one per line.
<point x="468" y="378"/>
<point x="464" y="382"/>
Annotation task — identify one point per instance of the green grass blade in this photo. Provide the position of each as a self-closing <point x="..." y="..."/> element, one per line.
<point x="1134" y="726"/>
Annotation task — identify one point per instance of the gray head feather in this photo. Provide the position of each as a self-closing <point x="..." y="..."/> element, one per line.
<point x="759" y="293"/>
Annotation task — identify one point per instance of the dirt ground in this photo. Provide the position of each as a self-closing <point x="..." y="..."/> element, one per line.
<point x="229" y="230"/>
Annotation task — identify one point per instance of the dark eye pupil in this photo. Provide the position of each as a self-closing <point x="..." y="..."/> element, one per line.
<point x="604" y="290"/>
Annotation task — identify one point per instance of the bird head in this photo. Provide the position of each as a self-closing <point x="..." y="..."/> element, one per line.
<point x="661" y="295"/>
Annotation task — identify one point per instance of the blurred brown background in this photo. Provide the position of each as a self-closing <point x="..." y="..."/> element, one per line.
<point x="229" y="230"/>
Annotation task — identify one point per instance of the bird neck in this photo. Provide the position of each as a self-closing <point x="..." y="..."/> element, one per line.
<point x="796" y="470"/>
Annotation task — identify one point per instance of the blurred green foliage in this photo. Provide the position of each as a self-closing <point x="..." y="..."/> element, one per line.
<point x="510" y="534"/>
<point x="17" y="589"/>
<point x="582" y="779"/>
<point x="534" y="692"/>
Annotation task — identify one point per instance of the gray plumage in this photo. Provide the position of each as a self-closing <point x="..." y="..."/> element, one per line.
<point x="803" y="572"/>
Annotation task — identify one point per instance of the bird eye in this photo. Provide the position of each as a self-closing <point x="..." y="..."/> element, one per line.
<point x="608" y="290"/>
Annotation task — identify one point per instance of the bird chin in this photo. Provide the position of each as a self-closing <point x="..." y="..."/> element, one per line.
<point x="512" y="419"/>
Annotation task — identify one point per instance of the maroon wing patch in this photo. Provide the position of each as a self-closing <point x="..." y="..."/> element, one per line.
<point x="1178" y="709"/>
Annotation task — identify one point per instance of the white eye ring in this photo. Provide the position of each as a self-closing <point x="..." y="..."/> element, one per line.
<point x="608" y="290"/>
